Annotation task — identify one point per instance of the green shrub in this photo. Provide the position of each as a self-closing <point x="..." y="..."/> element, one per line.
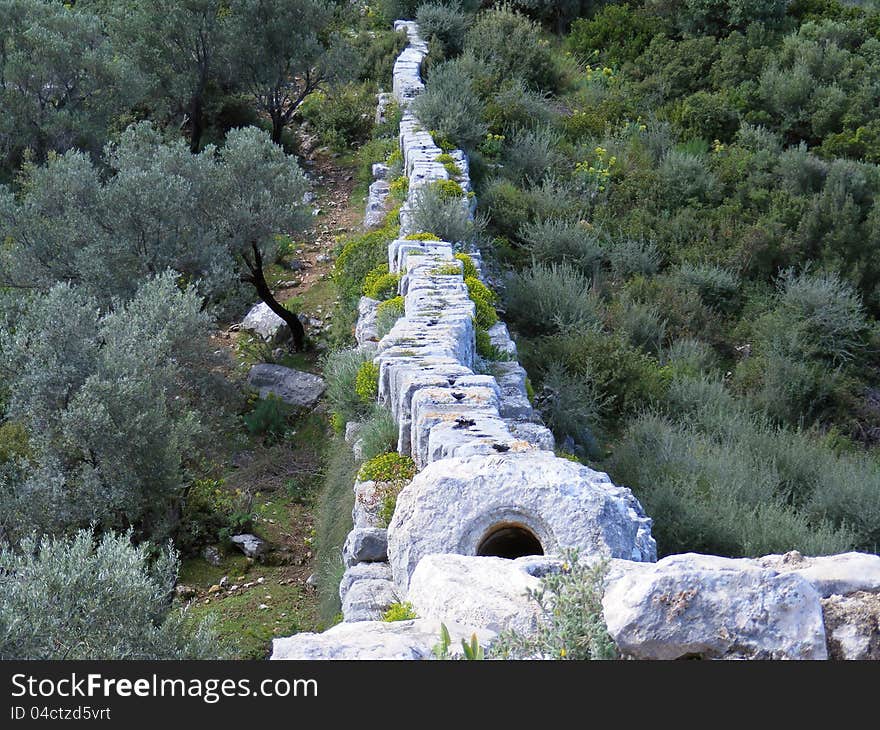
<point x="446" y="23"/>
<point x="515" y="106"/>
<point x="618" y="33"/>
<point x="690" y="357"/>
<point x="400" y="612"/>
<point x="366" y="384"/>
<point x="422" y="237"/>
<point x="530" y="154"/>
<point x="382" y="287"/>
<point x="705" y="115"/>
<point x="484" y="299"/>
<point x="95" y="599"/>
<point x="343" y="117"/>
<point x="448" y="189"/>
<point x="512" y="45"/>
<point x="572" y="408"/>
<point x="570" y="602"/>
<point x="387" y="313"/>
<point x="332" y="525"/>
<point x="643" y="324"/>
<point x="447" y="217"/>
<point x="13" y="441"/>
<point x="449" y="164"/>
<point x="630" y="257"/>
<point x="212" y="513"/>
<point x="449" y="105"/>
<point x="378" y="433"/>
<point x="268" y="419"/>
<point x="377" y="50"/>
<point x="469" y="268"/>
<point x="341" y="371"/>
<point x="564" y="240"/>
<point x="391" y="467"/>
<point x="548" y="298"/>
<point x="359" y="257"/>
<point x="718" y="289"/>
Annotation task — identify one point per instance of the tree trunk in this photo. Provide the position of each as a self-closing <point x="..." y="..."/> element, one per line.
<point x="277" y="127"/>
<point x="196" y="125"/>
<point x="257" y="278"/>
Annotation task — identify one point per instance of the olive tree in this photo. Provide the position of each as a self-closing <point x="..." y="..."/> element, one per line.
<point x="287" y="53"/>
<point x="109" y="600"/>
<point x="60" y="80"/>
<point x="213" y="217"/>
<point x="114" y="408"/>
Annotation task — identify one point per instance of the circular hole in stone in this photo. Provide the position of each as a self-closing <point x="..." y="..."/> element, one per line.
<point x="509" y="540"/>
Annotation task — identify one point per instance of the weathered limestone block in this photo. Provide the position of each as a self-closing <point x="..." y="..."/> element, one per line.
<point x="841" y="574"/>
<point x="715" y="608"/>
<point x="362" y="571"/>
<point x="535" y="434"/>
<point x="294" y="387"/>
<point x="477" y="432"/>
<point x="365" y="545"/>
<point x="376" y="640"/>
<point x="375" y="212"/>
<point x="369" y="599"/>
<point x="365" y="330"/>
<point x="852" y="625"/>
<point x="453" y="505"/>
<point x="500" y="339"/>
<point x="478" y="591"/>
<point x="263" y="322"/>
<point x="367" y="502"/>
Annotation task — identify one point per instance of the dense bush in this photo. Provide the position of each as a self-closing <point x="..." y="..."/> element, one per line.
<point x="447" y="217"/>
<point x="445" y="22"/>
<point x="89" y="598"/>
<point x="564" y="240"/>
<point x="549" y="298"/>
<point x="511" y="44"/>
<point x="450" y="106"/>
<point x="343" y="116"/>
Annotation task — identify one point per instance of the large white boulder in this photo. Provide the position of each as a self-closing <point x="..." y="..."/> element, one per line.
<point x="413" y="639"/>
<point x="263" y="322"/>
<point x="477" y="591"/>
<point x="454" y="504"/>
<point x="852" y="624"/>
<point x="709" y="607"/>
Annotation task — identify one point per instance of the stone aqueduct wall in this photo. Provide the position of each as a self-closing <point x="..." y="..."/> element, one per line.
<point x="486" y="467"/>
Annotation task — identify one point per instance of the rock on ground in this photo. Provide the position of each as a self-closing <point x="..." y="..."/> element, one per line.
<point x="714" y="608"/>
<point x="250" y="545"/>
<point x="413" y="639"/>
<point x="453" y="504"/>
<point x="264" y="322"/>
<point x="294" y="387"/>
<point x="477" y="591"/>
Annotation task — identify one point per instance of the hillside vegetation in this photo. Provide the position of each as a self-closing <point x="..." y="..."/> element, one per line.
<point x="678" y="211"/>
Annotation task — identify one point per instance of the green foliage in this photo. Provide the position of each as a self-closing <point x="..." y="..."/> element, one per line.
<point x="529" y="154"/>
<point x="341" y="371"/>
<point x="383" y="286"/>
<point x="448" y="162"/>
<point x="447" y="217"/>
<point x="387" y="313"/>
<point x="511" y="45"/>
<point x="212" y="513"/>
<point x="114" y="404"/>
<point x="470" y="650"/>
<point x="617" y="33"/>
<point x="343" y="117"/>
<point x="448" y="189"/>
<point x="13" y="442"/>
<point x="378" y="433"/>
<point x="366" y="384"/>
<point x="573" y="626"/>
<point x="268" y="419"/>
<point x="548" y="298"/>
<point x="444" y="22"/>
<point x="469" y="268"/>
<point x="400" y="612"/>
<point x="449" y="105"/>
<point x="484" y="300"/>
<point x="109" y="600"/>
<point x="359" y="257"/>
<point x="422" y="237"/>
<point x="707" y="116"/>
<point x="332" y="525"/>
<point x="571" y="408"/>
<point x="564" y="240"/>
<point x="391" y="467"/>
<point x="718" y="289"/>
